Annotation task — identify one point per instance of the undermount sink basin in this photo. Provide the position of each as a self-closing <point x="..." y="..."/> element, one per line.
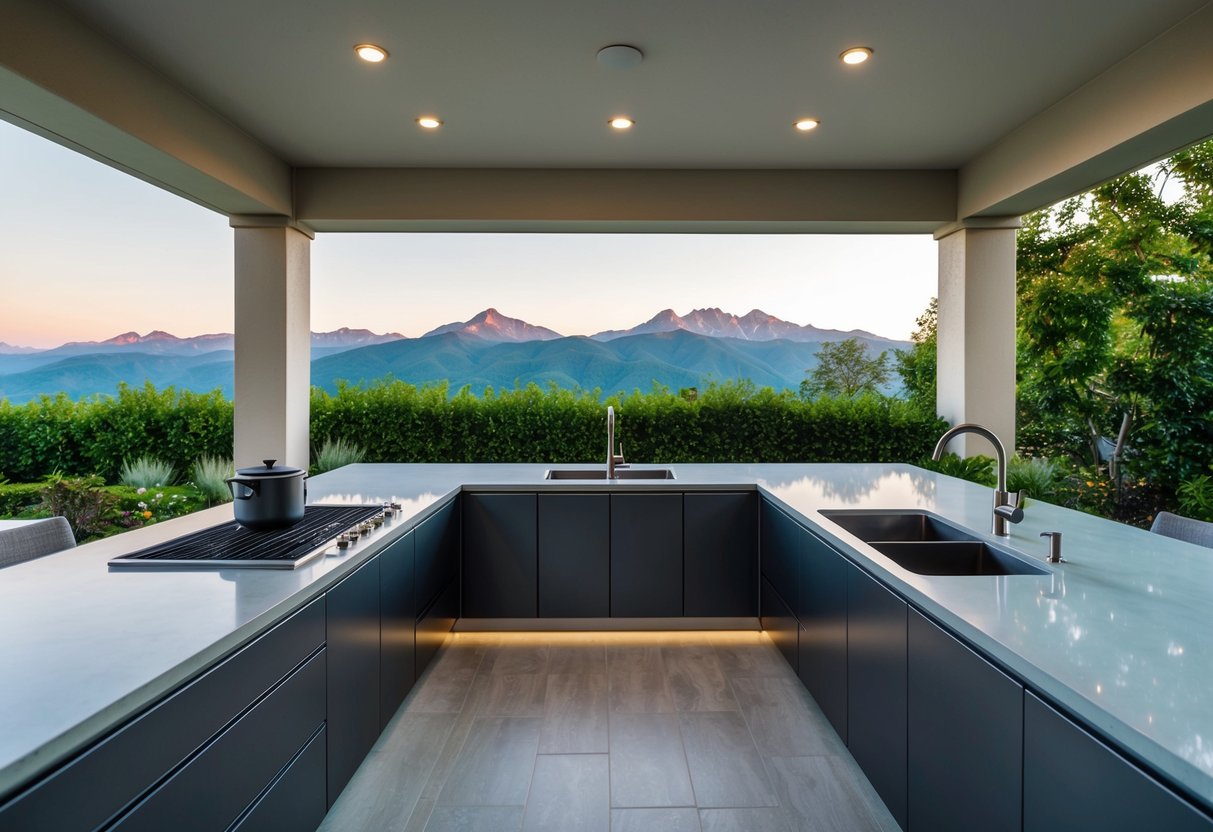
<point x="870" y="525"/>
<point x="954" y="557"/>
<point x="927" y="545"/>
<point x="600" y="474"/>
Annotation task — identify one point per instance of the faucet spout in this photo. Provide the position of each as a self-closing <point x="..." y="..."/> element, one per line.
<point x="1010" y="511"/>
<point x="613" y="460"/>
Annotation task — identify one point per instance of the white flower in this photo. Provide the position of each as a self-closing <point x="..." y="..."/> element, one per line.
<point x="140" y="490"/>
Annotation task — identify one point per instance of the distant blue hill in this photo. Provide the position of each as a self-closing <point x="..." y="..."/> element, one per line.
<point x="675" y="359"/>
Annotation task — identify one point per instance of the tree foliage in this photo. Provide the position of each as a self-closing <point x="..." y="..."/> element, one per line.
<point x="1115" y="291"/>
<point x="845" y="370"/>
<point x="917" y="366"/>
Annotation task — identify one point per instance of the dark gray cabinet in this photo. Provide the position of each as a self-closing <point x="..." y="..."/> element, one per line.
<point x="113" y="774"/>
<point x="720" y="554"/>
<point x="876" y="677"/>
<point x="782" y="539"/>
<point x="1074" y="781"/>
<point x="500" y="556"/>
<point x="294" y="801"/>
<point x="823" y="615"/>
<point x="965" y="731"/>
<point x="353" y="673"/>
<point x="646" y="555"/>
<point x="574" y="556"/>
<point x="397" y="625"/>
<point x="436" y="581"/>
<point x="780" y="625"/>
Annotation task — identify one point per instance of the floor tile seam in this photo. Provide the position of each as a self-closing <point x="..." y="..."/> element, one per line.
<point x="686" y="760"/>
<point x="766" y="767"/>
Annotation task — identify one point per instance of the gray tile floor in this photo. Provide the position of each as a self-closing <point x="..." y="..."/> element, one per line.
<point x="610" y="732"/>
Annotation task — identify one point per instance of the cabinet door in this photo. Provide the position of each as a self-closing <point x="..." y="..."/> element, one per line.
<point x="574" y="556"/>
<point x="397" y="623"/>
<point x="780" y="625"/>
<point x="434" y="624"/>
<point x="353" y="673"/>
<point x="646" y="555"/>
<point x="437" y="554"/>
<point x="965" y="748"/>
<point x="720" y="554"/>
<point x="782" y="539"/>
<point x="1074" y="781"/>
<point x="500" y="556"/>
<point x="823" y="614"/>
<point x="876" y="687"/>
<point x="294" y="802"/>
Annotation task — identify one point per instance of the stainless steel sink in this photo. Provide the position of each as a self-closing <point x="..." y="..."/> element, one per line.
<point x="600" y="474"/>
<point x="869" y="525"/>
<point x="955" y="557"/>
<point x="927" y="545"/>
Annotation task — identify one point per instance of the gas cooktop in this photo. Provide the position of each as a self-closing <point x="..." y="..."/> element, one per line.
<point x="230" y="545"/>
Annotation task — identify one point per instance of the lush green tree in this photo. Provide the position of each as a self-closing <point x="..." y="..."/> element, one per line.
<point x="1115" y="305"/>
<point x="845" y="370"/>
<point x="917" y="365"/>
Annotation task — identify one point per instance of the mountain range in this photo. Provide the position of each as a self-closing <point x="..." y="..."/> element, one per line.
<point x="488" y="349"/>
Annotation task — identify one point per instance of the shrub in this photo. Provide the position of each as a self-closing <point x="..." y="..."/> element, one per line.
<point x="145" y="472"/>
<point x="210" y="478"/>
<point x="20" y="498"/>
<point x="1037" y="477"/>
<point x="978" y="468"/>
<point x="82" y="500"/>
<point x="335" y="453"/>
<point x="1196" y="497"/>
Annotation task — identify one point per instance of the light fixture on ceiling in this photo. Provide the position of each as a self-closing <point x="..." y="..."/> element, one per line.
<point x="621" y="123"/>
<point x="804" y="125"/>
<point x="371" y="53"/>
<point x="429" y="122"/>
<point x="620" y="56"/>
<point x="855" y="55"/>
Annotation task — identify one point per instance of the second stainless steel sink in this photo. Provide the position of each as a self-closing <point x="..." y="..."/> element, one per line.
<point x="600" y="474"/>
<point x="927" y="545"/>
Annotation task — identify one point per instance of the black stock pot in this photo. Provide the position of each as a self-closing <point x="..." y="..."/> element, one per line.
<point x="268" y="496"/>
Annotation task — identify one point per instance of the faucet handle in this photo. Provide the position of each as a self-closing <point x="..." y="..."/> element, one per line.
<point x="1011" y="511"/>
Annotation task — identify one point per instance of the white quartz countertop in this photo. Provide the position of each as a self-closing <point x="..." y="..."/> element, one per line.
<point x="1118" y="634"/>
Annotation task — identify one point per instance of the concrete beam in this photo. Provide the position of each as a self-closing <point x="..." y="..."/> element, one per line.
<point x="715" y="201"/>
<point x="1152" y="103"/>
<point x="109" y="106"/>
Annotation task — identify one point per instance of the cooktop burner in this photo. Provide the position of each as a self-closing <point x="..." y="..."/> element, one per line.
<point x="230" y="545"/>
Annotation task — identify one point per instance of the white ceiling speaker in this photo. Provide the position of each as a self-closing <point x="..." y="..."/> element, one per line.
<point x="620" y="56"/>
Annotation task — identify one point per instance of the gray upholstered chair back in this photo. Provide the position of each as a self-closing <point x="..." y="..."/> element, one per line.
<point x="1199" y="532"/>
<point x="33" y="540"/>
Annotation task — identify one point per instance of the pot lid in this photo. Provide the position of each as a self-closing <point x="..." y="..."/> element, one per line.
<point x="269" y="469"/>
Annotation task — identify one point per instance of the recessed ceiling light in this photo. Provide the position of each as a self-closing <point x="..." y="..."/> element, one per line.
<point x="429" y="122"/>
<point x="855" y="55"/>
<point x="804" y="125"/>
<point x="371" y="53"/>
<point x="621" y="123"/>
<point x="620" y="56"/>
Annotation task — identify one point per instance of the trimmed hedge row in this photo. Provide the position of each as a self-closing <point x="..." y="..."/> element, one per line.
<point x="397" y="422"/>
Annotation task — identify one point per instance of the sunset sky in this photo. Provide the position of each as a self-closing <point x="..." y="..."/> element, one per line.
<point x="89" y="252"/>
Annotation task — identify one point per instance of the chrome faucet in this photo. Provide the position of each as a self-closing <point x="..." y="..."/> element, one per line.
<point x="613" y="460"/>
<point x="1005" y="511"/>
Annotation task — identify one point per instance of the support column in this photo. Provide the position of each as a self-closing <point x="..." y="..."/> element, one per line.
<point x="976" y="336"/>
<point x="273" y="341"/>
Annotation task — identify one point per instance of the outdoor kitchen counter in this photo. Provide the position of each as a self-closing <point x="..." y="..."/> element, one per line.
<point x="1118" y="634"/>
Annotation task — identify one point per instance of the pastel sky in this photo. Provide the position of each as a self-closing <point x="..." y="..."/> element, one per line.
<point x="87" y="252"/>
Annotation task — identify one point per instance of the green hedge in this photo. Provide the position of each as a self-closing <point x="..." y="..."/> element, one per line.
<point x="397" y="422"/>
<point x="16" y="498"/>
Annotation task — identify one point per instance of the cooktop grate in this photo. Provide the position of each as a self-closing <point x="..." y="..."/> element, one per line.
<point x="232" y="545"/>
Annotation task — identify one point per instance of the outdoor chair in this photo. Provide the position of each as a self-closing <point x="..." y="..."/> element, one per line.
<point x="1199" y="532"/>
<point x="33" y="540"/>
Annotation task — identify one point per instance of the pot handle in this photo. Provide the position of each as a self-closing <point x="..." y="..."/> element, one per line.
<point x="248" y="488"/>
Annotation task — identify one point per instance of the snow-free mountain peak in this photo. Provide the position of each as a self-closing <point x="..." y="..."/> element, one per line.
<point x="755" y="325"/>
<point x="491" y="325"/>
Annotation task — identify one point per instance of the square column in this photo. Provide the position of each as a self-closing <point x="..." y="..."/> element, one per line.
<point x="976" y="335"/>
<point x="273" y="342"/>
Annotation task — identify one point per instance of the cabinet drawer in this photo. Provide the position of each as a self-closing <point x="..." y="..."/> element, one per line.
<point x="218" y="784"/>
<point x="294" y="802"/>
<point x="437" y="554"/>
<point x="105" y="779"/>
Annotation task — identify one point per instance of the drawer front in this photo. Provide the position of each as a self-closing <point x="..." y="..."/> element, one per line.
<point x="437" y="554"/>
<point x="217" y="785"/>
<point x="106" y="778"/>
<point x="294" y="802"/>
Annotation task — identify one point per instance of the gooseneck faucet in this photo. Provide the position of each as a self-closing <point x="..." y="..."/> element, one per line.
<point x="1005" y="511"/>
<point x="613" y="460"/>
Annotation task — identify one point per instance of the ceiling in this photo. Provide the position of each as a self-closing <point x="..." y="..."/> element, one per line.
<point x="517" y="83"/>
